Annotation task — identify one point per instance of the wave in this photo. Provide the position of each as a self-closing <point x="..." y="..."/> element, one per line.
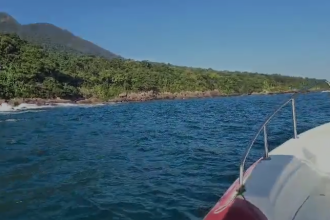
<point x="24" y="107"/>
<point x="9" y="120"/>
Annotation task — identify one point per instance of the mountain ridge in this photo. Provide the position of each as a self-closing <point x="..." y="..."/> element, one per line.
<point x="52" y="37"/>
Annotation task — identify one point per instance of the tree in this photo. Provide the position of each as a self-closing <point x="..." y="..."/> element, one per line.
<point x="29" y="71"/>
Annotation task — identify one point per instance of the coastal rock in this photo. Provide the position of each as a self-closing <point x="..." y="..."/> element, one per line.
<point x="152" y="95"/>
<point x="89" y="101"/>
<point x="123" y="95"/>
<point x="135" y="97"/>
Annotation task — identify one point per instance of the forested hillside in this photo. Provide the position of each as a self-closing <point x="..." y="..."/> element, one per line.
<point x="30" y="71"/>
<point x="51" y="37"/>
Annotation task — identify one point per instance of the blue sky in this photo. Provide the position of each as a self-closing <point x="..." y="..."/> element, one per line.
<point x="290" y="37"/>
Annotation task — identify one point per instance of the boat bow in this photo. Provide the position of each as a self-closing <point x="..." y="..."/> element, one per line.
<point x="290" y="182"/>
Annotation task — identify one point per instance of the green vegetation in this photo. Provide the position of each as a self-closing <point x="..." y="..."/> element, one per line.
<point x="29" y="71"/>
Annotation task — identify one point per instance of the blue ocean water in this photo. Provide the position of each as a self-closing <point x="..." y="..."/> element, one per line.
<point x="138" y="161"/>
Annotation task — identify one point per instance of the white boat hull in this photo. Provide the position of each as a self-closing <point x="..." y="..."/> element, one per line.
<point x="293" y="184"/>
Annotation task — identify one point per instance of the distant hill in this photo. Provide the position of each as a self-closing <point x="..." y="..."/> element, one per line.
<point x="51" y="37"/>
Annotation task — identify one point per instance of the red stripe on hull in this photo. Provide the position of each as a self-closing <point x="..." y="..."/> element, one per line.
<point x="239" y="209"/>
<point x="230" y="207"/>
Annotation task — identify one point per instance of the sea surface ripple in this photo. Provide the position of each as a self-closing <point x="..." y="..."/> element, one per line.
<point x="138" y="161"/>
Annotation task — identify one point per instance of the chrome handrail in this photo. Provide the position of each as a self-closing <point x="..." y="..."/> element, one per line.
<point x="263" y="127"/>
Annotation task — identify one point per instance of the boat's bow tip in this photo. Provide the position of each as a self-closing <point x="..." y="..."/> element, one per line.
<point x="238" y="209"/>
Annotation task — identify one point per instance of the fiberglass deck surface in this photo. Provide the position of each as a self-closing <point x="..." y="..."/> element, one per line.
<point x="294" y="183"/>
<point x="317" y="205"/>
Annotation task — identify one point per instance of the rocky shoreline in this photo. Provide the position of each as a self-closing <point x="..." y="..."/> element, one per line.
<point x="148" y="96"/>
<point x="132" y="97"/>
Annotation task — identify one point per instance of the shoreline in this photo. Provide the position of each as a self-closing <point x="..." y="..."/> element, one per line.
<point x="134" y="97"/>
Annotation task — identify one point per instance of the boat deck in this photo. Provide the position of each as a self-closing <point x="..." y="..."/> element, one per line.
<point x="294" y="183"/>
<point x="317" y="204"/>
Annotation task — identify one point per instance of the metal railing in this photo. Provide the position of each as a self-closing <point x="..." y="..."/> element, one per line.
<point x="263" y="128"/>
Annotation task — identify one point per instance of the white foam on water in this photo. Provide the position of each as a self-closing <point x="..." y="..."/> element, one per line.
<point x="11" y="119"/>
<point x="25" y="107"/>
<point x="19" y="112"/>
<point x="6" y="108"/>
<point x="77" y="105"/>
